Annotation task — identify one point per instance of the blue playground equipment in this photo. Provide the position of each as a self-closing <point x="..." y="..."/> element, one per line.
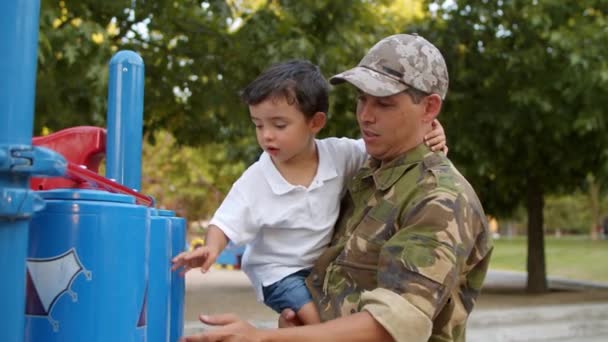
<point x="166" y="289"/>
<point x="231" y="256"/>
<point x="86" y="268"/>
<point x="18" y="159"/>
<point x="125" y="119"/>
<point x="84" y="258"/>
<point x="178" y="285"/>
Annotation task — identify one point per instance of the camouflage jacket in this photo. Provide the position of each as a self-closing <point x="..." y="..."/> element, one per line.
<point x="412" y="237"/>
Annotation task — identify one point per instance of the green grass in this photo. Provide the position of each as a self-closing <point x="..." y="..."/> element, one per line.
<point x="573" y="258"/>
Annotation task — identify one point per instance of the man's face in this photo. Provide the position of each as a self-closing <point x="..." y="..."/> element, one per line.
<point x="390" y="126"/>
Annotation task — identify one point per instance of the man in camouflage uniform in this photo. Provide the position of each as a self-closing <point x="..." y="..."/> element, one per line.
<point x="412" y="245"/>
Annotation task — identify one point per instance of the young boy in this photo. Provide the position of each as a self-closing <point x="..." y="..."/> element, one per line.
<point x="285" y="205"/>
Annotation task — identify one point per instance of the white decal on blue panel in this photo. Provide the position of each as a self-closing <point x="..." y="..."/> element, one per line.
<point x="50" y="278"/>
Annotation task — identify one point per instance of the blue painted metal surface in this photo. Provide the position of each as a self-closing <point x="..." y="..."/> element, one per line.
<point x="160" y="275"/>
<point x="125" y="119"/>
<point x="87" y="268"/>
<point x="19" y="36"/>
<point x="18" y="61"/>
<point x="13" y="242"/>
<point x="178" y="285"/>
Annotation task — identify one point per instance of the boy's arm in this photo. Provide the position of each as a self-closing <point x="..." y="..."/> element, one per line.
<point x="205" y="256"/>
<point x="357" y="327"/>
<point x="436" y="139"/>
<point x="215" y="238"/>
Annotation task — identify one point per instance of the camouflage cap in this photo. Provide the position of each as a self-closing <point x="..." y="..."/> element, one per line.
<point x="397" y="63"/>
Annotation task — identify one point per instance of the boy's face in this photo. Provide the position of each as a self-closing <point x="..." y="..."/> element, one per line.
<point x="282" y="130"/>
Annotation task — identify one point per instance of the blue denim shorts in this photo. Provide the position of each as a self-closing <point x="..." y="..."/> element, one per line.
<point x="289" y="292"/>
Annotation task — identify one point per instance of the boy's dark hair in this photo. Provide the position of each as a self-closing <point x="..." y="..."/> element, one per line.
<point x="299" y="82"/>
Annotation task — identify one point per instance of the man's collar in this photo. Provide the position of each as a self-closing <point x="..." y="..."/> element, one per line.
<point x="385" y="175"/>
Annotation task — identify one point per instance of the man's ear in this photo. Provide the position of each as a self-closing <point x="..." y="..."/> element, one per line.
<point x="432" y="107"/>
<point x="317" y="122"/>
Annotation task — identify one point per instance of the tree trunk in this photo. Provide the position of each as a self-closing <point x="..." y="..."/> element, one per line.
<point x="594" y="201"/>
<point x="537" y="273"/>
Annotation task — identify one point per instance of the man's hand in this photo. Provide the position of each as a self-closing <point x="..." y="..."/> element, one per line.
<point x="436" y="139"/>
<point x="202" y="257"/>
<point x="289" y="319"/>
<point x="230" y="328"/>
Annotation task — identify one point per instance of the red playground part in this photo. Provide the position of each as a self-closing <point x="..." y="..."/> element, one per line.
<point x="81" y="175"/>
<point x="83" y="147"/>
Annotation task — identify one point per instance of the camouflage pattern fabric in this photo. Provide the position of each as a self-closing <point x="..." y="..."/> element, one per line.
<point x="397" y="63"/>
<point x="414" y="226"/>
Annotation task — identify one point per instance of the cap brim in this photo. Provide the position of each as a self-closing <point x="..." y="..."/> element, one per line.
<point x="370" y="81"/>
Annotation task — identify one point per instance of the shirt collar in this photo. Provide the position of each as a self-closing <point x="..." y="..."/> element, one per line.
<point x="326" y="170"/>
<point x="386" y="175"/>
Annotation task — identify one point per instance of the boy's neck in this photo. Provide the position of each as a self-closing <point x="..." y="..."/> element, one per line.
<point x="301" y="169"/>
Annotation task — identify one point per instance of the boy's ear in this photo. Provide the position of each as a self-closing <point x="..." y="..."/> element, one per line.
<point x="317" y="122"/>
<point x="432" y="107"/>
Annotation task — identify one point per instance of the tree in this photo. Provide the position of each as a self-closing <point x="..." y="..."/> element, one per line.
<point x="594" y="205"/>
<point x="525" y="114"/>
<point x="198" y="55"/>
<point x="190" y="180"/>
<point x="73" y="53"/>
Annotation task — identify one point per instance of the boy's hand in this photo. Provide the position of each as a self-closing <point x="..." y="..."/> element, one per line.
<point x="436" y="139"/>
<point x="289" y="319"/>
<point x="202" y="257"/>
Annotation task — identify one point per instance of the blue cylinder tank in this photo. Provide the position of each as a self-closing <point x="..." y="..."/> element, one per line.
<point x="87" y="275"/>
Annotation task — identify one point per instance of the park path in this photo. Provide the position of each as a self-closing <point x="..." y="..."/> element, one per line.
<point x="574" y="311"/>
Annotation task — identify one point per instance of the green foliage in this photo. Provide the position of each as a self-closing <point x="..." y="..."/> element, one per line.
<point x="192" y="181"/>
<point x="528" y="93"/>
<point x="528" y="78"/>
<point x="567" y="214"/>
<point x="198" y="55"/>
<point x="525" y="114"/>
<point x="71" y="88"/>
<point x="210" y="52"/>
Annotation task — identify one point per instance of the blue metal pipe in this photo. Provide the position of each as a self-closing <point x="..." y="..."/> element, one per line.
<point x="19" y="36"/>
<point x="125" y="119"/>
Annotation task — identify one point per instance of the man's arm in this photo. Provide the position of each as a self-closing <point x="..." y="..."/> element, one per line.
<point x="358" y="327"/>
<point x="422" y="266"/>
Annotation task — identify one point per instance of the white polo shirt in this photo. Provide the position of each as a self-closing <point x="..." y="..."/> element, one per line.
<point x="286" y="227"/>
